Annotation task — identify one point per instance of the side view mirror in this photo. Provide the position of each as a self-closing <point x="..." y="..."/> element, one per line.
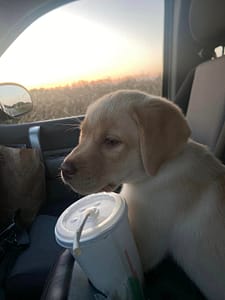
<point x="15" y="101"/>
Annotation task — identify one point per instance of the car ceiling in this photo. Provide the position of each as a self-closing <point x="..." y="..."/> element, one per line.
<point x="16" y="15"/>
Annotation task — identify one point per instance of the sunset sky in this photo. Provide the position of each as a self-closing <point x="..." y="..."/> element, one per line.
<point x="88" y="40"/>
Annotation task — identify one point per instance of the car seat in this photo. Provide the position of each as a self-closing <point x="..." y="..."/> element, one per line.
<point x="205" y="108"/>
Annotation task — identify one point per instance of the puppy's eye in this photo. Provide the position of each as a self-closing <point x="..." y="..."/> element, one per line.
<point x="111" y="142"/>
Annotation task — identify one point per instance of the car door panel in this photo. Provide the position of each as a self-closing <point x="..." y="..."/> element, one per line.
<point x="57" y="139"/>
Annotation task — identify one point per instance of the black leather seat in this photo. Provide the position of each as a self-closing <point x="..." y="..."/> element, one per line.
<point x="27" y="276"/>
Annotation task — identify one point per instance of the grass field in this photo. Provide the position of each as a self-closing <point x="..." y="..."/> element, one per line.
<point x="72" y="100"/>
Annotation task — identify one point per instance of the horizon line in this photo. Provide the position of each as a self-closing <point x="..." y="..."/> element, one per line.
<point x="63" y="84"/>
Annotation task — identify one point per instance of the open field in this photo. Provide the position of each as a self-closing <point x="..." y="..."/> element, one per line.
<point x="72" y="100"/>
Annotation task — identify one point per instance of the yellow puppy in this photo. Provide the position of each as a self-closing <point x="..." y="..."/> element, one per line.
<point x="174" y="187"/>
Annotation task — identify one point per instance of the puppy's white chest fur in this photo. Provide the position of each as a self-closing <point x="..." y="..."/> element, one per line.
<point x="153" y="212"/>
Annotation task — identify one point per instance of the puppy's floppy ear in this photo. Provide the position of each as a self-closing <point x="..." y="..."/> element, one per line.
<point x="163" y="131"/>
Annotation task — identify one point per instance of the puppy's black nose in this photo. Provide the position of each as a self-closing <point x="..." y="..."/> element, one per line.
<point x="68" y="170"/>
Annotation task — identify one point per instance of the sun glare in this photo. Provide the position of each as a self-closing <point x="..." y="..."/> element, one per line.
<point x="62" y="48"/>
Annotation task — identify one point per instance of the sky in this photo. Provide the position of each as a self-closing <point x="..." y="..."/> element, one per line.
<point x="88" y="40"/>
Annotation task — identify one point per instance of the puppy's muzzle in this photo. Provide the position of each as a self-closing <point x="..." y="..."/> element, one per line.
<point x="68" y="170"/>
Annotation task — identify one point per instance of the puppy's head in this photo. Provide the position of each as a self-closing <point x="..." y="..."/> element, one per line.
<point x="125" y="136"/>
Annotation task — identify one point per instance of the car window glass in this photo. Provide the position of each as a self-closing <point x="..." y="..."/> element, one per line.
<point x="76" y="53"/>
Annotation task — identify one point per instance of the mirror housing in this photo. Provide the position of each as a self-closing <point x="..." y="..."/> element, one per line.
<point x="15" y="101"/>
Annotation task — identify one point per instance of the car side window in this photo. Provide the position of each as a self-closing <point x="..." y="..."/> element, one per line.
<point x="80" y="51"/>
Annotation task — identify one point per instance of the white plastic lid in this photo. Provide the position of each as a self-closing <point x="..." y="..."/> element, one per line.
<point x="109" y="208"/>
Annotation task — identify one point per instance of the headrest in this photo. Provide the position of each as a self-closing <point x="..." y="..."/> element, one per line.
<point x="207" y="22"/>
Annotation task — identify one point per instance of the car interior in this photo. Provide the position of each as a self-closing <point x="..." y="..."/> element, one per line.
<point x="33" y="265"/>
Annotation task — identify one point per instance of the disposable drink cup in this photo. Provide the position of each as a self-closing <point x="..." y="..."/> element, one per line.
<point x="97" y="232"/>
